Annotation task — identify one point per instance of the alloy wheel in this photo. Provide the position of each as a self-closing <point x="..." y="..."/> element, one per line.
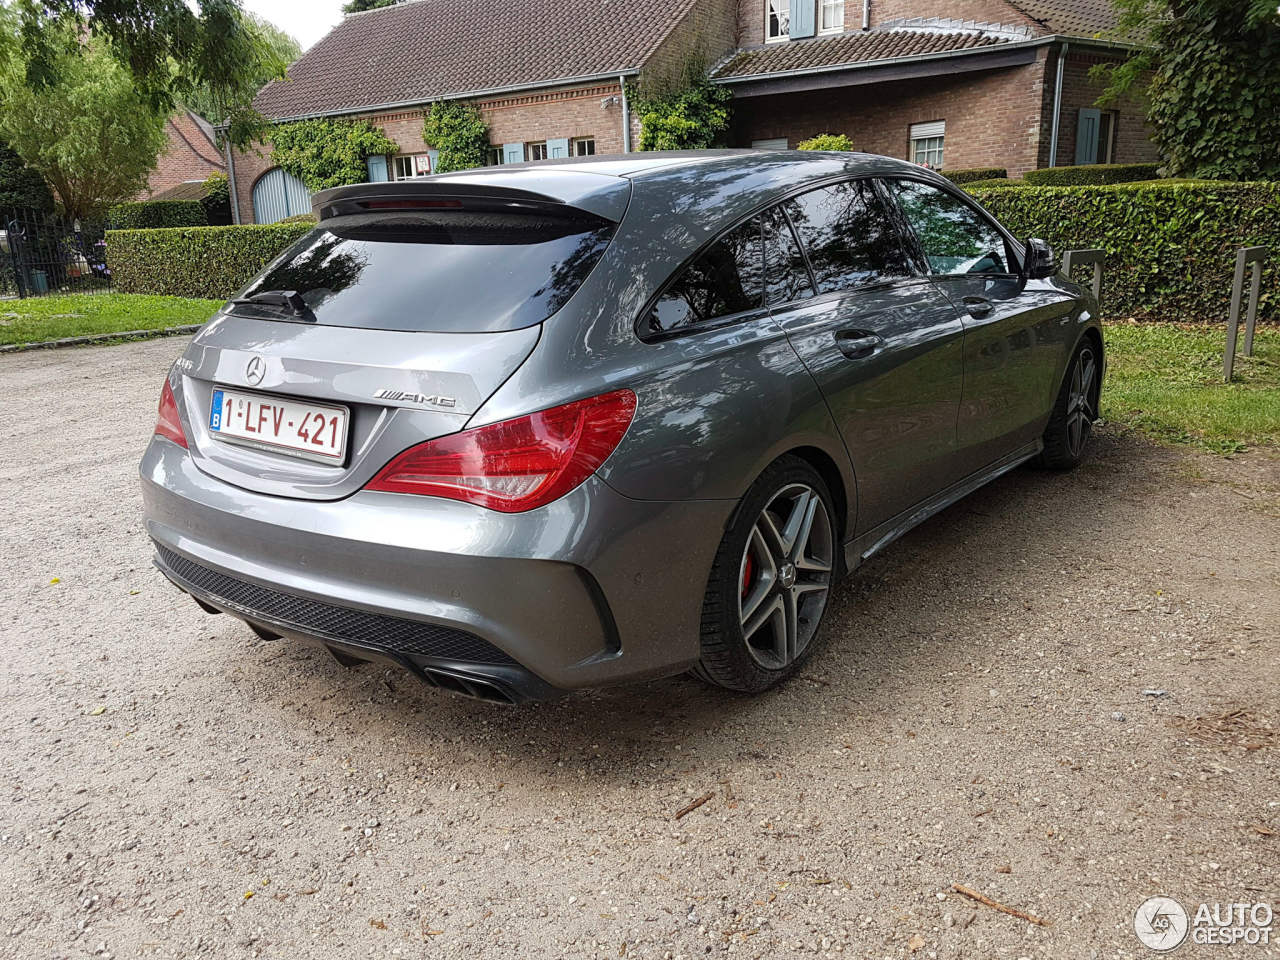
<point x="785" y="576"/>
<point x="1082" y="402"/>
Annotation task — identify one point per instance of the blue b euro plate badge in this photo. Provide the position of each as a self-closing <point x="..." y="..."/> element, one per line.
<point x="215" y="414"/>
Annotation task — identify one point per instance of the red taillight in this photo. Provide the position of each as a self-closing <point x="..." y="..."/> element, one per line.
<point x="517" y="464"/>
<point x="168" y="423"/>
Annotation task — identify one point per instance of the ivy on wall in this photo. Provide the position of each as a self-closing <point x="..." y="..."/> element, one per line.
<point x="457" y="129"/>
<point x="328" y="153"/>
<point x="688" y="118"/>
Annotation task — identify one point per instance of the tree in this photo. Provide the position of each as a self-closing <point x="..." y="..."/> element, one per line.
<point x="1214" y="83"/>
<point x="458" y="131"/>
<point x="20" y="186"/>
<point x="359" y="6"/>
<point x="170" y="49"/>
<point x="89" y="134"/>
<point x="278" y="50"/>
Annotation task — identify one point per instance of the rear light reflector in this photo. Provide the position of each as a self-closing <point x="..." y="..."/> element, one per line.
<point x="168" y="423"/>
<point x="515" y="465"/>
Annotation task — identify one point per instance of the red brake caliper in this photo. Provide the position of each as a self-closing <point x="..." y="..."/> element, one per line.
<point x="748" y="568"/>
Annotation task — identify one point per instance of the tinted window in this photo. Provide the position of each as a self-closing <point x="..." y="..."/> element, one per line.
<point x="457" y="271"/>
<point x="787" y="275"/>
<point x="724" y="280"/>
<point x="955" y="237"/>
<point x="850" y="239"/>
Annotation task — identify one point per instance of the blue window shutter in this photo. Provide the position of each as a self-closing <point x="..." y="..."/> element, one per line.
<point x="435" y="159"/>
<point x="558" y="149"/>
<point x="513" y="153"/>
<point x="377" y="165"/>
<point x="1087" y="136"/>
<point x="802" y="18"/>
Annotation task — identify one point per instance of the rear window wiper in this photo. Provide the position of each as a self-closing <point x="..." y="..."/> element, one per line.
<point x="289" y="300"/>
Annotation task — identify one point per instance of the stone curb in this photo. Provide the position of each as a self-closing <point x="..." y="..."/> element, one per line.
<point x="100" y="338"/>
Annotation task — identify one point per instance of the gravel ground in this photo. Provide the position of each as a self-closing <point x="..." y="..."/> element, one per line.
<point x="975" y="714"/>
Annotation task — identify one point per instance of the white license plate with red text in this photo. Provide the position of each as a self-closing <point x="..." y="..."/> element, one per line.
<point x="309" y="430"/>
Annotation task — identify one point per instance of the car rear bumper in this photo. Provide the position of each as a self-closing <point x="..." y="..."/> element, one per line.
<point x="591" y="590"/>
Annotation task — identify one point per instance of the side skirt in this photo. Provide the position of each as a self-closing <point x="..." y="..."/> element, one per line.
<point x="873" y="541"/>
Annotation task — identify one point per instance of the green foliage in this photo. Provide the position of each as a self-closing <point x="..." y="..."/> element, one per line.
<point x="1211" y="69"/>
<point x="210" y="262"/>
<point x="20" y="186"/>
<point x="51" y="318"/>
<point x="826" y="141"/>
<point x="217" y="200"/>
<point x="360" y="6"/>
<point x="1170" y="247"/>
<point x="274" y="51"/>
<point x="990" y="184"/>
<point x="300" y="218"/>
<point x="1095" y="174"/>
<point x="148" y="214"/>
<point x="328" y="152"/>
<point x="457" y="129"/>
<point x="976" y="174"/>
<point x="90" y="135"/>
<point x="688" y="118"/>
<point x="1166" y="382"/>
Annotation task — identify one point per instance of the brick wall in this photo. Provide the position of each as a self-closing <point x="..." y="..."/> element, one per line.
<point x="189" y="155"/>
<point x="1132" y="141"/>
<point x="993" y="118"/>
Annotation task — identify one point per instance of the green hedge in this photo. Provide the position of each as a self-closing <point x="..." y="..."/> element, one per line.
<point x="1170" y="246"/>
<point x="975" y="174"/>
<point x="1096" y="174"/>
<point x="211" y="262"/>
<point x="989" y="184"/>
<point x="153" y="214"/>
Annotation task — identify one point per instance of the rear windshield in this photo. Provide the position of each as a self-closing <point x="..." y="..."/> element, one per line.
<point x="442" y="271"/>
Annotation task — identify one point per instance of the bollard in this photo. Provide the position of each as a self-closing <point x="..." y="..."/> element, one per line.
<point x="1075" y="257"/>
<point x="1244" y="257"/>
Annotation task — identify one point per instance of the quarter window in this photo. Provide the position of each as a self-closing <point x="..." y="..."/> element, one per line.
<point x="725" y="280"/>
<point x="777" y="19"/>
<point x="956" y="238"/>
<point x="832" y="20"/>
<point x="848" y="235"/>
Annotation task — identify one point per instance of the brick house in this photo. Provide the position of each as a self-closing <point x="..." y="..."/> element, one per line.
<point x="960" y="83"/>
<point x="191" y="156"/>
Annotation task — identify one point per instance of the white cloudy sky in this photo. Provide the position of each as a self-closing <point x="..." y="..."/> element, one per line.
<point x="307" y="20"/>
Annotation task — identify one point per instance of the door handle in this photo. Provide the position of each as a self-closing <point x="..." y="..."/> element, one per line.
<point x="978" y="307"/>
<point x="858" y="344"/>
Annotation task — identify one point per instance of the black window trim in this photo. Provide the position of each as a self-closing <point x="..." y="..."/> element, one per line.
<point x="913" y="240"/>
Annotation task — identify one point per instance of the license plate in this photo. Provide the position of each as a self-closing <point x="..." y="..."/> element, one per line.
<point x="312" y="431"/>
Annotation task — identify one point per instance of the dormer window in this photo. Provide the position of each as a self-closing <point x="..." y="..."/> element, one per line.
<point x="832" y="16"/>
<point x="778" y="19"/>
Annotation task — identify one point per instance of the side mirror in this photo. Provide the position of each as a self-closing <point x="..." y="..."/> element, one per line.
<point x="1040" y="261"/>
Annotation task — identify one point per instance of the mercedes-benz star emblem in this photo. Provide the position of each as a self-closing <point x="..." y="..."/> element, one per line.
<point x="256" y="370"/>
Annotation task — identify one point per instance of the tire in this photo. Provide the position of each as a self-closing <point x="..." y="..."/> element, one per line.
<point x="1075" y="410"/>
<point x="770" y="581"/>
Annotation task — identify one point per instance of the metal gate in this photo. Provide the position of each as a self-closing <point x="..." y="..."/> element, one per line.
<point x="44" y="253"/>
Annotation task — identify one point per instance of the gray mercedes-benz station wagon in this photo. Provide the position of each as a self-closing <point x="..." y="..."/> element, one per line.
<point x="532" y="429"/>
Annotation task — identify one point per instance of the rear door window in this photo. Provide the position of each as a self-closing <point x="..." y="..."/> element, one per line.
<point x="456" y="271"/>
<point x="725" y="280"/>
<point x="848" y="235"/>
<point x="955" y="237"/>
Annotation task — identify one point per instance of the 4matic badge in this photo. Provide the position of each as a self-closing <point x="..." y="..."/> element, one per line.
<point x="400" y="395"/>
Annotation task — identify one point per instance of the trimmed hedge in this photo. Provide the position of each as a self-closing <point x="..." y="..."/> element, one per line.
<point x="975" y="174"/>
<point x="1170" y="245"/>
<point x="1096" y="174"/>
<point x="210" y="262"/>
<point x="989" y="184"/>
<point x="153" y="214"/>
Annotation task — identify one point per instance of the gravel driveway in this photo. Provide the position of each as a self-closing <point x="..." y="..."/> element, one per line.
<point x="975" y="714"/>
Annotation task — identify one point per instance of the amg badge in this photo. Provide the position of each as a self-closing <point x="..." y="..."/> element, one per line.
<point x="415" y="398"/>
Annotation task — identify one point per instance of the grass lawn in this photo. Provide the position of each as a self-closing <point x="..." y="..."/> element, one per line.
<point x="1166" y="382"/>
<point x="51" y="318"/>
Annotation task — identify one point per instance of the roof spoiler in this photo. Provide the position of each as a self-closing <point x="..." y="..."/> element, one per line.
<point x="553" y="192"/>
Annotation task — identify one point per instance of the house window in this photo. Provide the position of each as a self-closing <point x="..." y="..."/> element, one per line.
<point x="409" y="167"/>
<point x="495" y="156"/>
<point x="832" y="20"/>
<point x="777" y="19"/>
<point x="778" y="144"/>
<point x="1107" y="137"/>
<point x="538" y="151"/>
<point x="585" y="147"/>
<point x="926" y="143"/>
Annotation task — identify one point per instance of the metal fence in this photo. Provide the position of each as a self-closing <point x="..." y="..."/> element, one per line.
<point x="44" y="253"/>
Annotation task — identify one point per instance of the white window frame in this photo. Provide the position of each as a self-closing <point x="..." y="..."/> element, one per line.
<point x="411" y="160"/>
<point x="579" y="142"/>
<point x="537" y="150"/>
<point x="836" y="10"/>
<point x="928" y="144"/>
<point x="495" y="156"/>
<point x="781" y="9"/>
